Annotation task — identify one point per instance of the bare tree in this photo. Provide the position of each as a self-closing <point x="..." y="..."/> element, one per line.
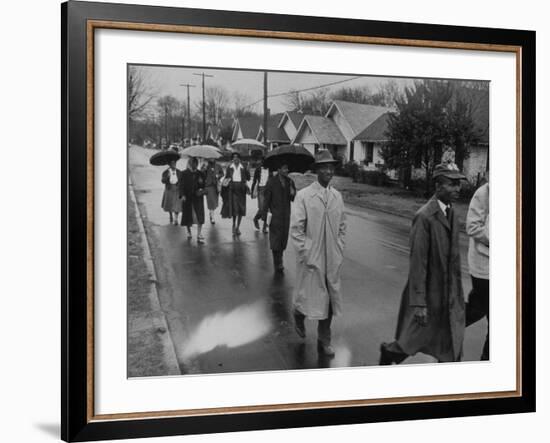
<point x="387" y="94"/>
<point x="360" y="94"/>
<point x="168" y="108"/>
<point x="140" y="92"/>
<point x="314" y="102"/>
<point x="293" y="100"/>
<point x="242" y="105"/>
<point x="217" y="101"/>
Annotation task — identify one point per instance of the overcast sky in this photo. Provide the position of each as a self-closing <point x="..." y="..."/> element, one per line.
<point x="167" y="80"/>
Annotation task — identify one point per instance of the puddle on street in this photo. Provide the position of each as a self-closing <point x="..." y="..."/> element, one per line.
<point x="238" y="327"/>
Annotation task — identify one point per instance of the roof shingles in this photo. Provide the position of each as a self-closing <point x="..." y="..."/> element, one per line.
<point x="324" y="130"/>
<point x="358" y="115"/>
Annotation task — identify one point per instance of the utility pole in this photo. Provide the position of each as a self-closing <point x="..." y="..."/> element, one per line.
<point x="266" y="110"/>
<point x="202" y="74"/>
<point x="188" y="109"/>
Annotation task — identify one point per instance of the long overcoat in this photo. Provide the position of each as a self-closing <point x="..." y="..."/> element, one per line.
<point x="191" y="186"/>
<point x="277" y="199"/>
<point x="435" y="283"/>
<point x="317" y="230"/>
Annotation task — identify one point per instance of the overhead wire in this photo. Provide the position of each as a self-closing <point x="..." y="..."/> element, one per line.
<point x="296" y="91"/>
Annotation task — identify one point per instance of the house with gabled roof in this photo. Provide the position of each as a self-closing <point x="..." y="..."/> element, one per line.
<point x="317" y="133"/>
<point x="368" y="144"/>
<point x="246" y="127"/>
<point x="215" y="131"/>
<point x="275" y="135"/>
<point x="352" y="119"/>
<point x="290" y="122"/>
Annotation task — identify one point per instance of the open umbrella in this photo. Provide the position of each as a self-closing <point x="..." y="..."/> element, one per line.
<point x="247" y="145"/>
<point x="202" y="151"/>
<point x="298" y="158"/>
<point x="164" y="157"/>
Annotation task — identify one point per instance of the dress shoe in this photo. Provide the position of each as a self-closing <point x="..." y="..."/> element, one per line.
<point x="388" y="357"/>
<point x="325" y="349"/>
<point x="299" y="325"/>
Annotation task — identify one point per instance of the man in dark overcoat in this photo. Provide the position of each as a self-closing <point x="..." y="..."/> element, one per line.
<point x="191" y="191"/>
<point x="432" y="315"/>
<point x="279" y="193"/>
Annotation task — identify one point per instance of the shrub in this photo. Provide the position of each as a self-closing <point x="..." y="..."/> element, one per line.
<point x="351" y="169"/>
<point x="375" y="178"/>
<point x="341" y="166"/>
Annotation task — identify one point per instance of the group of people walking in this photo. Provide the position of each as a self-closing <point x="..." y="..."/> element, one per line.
<point x="433" y="313"/>
<point x="186" y="190"/>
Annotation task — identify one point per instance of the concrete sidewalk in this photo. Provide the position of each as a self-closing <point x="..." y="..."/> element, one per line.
<point x="150" y="348"/>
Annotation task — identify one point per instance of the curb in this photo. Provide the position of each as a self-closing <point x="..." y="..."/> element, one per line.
<point x="158" y="317"/>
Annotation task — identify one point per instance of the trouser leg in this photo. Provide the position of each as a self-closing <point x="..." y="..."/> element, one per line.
<point x="278" y="260"/>
<point x="391" y="353"/>
<point x="478" y="307"/>
<point x="323" y="328"/>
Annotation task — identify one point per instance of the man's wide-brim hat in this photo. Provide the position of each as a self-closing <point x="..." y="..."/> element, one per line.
<point x="324" y="157"/>
<point x="448" y="170"/>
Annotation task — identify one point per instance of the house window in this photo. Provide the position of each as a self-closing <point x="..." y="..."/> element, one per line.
<point x="369" y="154"/>
<point x="316" y="148"/>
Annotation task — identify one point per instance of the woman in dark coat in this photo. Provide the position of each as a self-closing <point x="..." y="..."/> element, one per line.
<point x="170" y="198"/>
<point x="239" y="176"/>
<point x="192" y="196"/>
<point x="279" y="193"/>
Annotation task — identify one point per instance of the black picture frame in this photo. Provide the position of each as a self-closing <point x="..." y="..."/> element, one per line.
<point x="78" y="422"/>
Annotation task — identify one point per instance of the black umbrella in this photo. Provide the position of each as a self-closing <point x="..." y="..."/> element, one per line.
<point x="298" y="158"/>
<point x="164" y="157"/>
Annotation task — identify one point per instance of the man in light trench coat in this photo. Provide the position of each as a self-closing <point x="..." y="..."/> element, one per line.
<point x="432" y="315"/>
<point x="317" y="230"/>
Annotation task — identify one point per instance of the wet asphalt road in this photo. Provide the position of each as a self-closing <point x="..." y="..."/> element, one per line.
<point x="228" y="312"/>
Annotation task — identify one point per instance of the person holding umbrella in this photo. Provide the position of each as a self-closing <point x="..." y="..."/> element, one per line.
<point x="238" y="176"/>
<point x="170" y="198"/>
<point x="191" y="191"/>
<point x="317" y="229"/>
<point x="279" y="193"/>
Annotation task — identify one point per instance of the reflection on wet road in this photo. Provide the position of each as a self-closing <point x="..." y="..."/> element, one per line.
<point x="235" y="314"/>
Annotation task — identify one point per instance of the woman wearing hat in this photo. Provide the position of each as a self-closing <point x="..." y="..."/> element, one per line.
<point x="170" y="198"/>
<point x="317" y="230"/>
<point x="238" y="176"/>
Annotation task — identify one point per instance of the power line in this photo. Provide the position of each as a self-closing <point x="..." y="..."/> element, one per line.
<point x="303" y="90"/>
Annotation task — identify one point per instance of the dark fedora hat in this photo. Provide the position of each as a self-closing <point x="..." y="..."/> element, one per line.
<point x="449" y="170"/>
<point x="324" y="157"/>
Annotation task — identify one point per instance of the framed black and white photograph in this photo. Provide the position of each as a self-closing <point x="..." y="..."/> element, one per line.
<point x="284" y="221"/>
